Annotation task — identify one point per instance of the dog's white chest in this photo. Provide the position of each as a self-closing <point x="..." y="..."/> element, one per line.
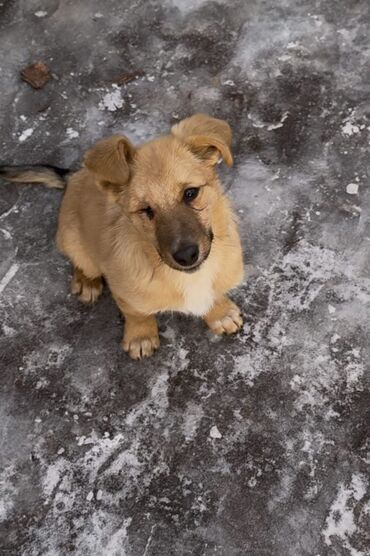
<point x="198" y="293"/>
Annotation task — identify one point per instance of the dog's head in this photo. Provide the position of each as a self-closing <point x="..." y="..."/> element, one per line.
<point x="168" y="187"/>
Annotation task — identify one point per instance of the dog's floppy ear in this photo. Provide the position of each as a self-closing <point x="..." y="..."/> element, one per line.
<point x="111" y="160"/>
<point x="207" y="137"/>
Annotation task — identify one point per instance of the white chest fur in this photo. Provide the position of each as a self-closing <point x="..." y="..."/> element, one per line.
<point x="197" y="290"/>
<point x="198" y="297"/>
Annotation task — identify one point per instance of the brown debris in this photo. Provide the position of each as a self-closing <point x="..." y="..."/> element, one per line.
<point x="127" y="77"/>
<point x="36" y="75"/>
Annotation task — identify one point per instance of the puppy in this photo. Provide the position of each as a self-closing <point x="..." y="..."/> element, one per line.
<point x="152" y="220"/>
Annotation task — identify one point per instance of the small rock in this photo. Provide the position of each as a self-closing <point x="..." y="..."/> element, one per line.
<point x="36" y="75"/>
<point x="90" y="496"/>
<point x="99" y="495"/>
<point x="214" y="432"/>
<point x="352" y="188"/>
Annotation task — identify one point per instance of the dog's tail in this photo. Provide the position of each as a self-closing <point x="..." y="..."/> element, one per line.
<point x="47" y="175"/>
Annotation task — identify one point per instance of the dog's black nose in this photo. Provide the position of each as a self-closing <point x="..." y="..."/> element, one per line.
<point x="186" y="255"/>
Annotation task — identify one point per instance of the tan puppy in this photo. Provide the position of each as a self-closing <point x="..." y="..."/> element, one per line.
<point x="154" y="222"/>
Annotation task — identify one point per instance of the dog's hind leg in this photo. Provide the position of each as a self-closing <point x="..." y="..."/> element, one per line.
<point x="86" y="281"/>
<point x="87" y="289"/>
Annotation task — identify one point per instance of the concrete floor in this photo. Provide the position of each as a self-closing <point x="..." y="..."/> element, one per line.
<point x="104" y="456"/>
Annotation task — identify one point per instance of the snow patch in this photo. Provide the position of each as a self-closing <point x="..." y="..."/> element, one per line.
<point x="112" y="101"/>
<point x="290" y="40"/>
<point x="51" y="356"/>
<point x="350" y="129"/>
<point x="8" y="492"/>
<point x="156" y="403"/>
<point x="25" y="134"/>
<point x="187" y="5"/>
<point x="340" y="522"/>
<point x="8" y="330"/>
<point x="8" y="276"/>
<point x="52" y="477"/>
<point x="192" y="418"/>
<point x="72" y="133"/>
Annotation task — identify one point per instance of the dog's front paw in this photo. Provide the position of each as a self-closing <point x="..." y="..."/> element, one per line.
<point x="140" y="347"/>
<point x="140" y="338"/>
<point x="228" y="324"/>
<point x="224" y="317"/>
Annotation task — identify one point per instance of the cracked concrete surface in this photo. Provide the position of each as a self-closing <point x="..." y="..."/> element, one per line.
<point x="257" y="445"/>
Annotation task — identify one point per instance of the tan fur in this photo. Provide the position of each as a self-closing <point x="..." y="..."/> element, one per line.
<point x="36" y="174"/>
<point x="106" y="231"/>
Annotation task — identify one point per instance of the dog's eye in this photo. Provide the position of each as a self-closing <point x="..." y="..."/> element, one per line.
<point x="190" y="194"/>
<point x="148" y="211"/>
